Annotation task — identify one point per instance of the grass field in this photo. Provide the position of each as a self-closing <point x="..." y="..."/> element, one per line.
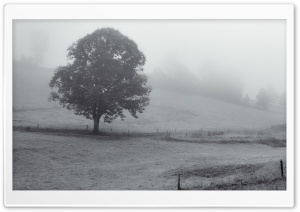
<point x="60" y="161"/>
<point x="213" y="145"/>
<point x="167" y="111"/>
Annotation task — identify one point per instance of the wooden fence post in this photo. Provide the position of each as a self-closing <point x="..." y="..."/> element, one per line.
<point x="281" y="165"/>
<point x="178" y="184"/>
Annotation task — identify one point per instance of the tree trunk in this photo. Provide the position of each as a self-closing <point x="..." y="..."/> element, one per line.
<point x="96" y="125"/>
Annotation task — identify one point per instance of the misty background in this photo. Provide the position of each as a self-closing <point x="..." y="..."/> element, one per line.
<point x="248" y="54"/>
<point x="216" y="115"/>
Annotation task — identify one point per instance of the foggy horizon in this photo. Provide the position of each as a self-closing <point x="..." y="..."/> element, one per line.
<point x="253" y="51"/>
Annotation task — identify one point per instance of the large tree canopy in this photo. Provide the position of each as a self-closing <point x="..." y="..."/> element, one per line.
<point x="103" y="77"/>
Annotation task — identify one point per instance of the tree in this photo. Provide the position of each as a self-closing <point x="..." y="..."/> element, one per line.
<point x="103" y="78"/>
<point x="262" y="99"/>
<point x="39" y="44"/>
<point x="172" y="75"/>
<point x="272" y="93"/>
<point x="282" y="99"/>
<point x="223" y="85"/>
<point x="246" y="100"/>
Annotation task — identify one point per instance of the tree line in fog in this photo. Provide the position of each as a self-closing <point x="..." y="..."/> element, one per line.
<point x="212" y="82"/>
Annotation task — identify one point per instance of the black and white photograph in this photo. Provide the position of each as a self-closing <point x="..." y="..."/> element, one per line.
<point x="114" y="105"/>
<point x="149" y="105"/>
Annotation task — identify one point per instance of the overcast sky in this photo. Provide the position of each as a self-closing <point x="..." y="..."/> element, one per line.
<point x="254" y="50"/>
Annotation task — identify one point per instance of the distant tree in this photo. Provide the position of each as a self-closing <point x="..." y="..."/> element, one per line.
<point x="262" y="99"/>
<point x="223" y="85"/>
<point x="173" y="75"/>
<point x="272" y="93"/>
<point x="246" y="100"/>
<point x="209" y="70"/>
<point x="170" y="63"/>
<point x="102" y="79"/>
<point x="39" y="44"/>
<point x="282" y="99"/>
<point x="159" y="80"/>
<point x="26" y="62"/>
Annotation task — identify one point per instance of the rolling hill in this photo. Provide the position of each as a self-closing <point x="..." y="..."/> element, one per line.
<point x="167" y="110"/>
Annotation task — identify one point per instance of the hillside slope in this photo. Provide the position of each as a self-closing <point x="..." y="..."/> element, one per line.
<point x="167" y="110"/>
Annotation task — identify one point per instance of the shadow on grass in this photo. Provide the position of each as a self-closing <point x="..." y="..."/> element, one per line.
<point x="248" y="184"/>
<point x="273" y="142"/>
<point x="258" y="176"/>
<point x="83" y="133"/>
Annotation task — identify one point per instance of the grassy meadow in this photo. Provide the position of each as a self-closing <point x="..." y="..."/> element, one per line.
<point x="213" y="145"/>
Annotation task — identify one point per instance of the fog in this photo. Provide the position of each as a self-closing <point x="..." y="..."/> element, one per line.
<point x="252" y="51"/>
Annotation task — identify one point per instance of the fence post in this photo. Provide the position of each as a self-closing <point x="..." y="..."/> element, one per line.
<point x="281" y="165"/>
<point x="178" y="184"/>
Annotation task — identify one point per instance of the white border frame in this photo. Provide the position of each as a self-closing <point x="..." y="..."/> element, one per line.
<point x="147" y="198"/>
